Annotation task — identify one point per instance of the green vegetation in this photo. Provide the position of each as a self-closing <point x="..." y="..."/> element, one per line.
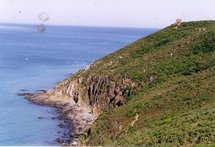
<point x="175" y="103"/>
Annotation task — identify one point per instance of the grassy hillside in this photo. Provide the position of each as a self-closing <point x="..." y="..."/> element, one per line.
<point x="174" y="103"/>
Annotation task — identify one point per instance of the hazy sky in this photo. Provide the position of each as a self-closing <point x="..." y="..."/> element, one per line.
<point x="123" y="13"/>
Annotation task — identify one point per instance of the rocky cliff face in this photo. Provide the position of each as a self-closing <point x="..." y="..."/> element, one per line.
<point x="97" y="92"/>
<point x="104" y="92"/>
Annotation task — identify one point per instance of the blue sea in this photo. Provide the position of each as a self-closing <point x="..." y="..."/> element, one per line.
<point x="31" y="60"/>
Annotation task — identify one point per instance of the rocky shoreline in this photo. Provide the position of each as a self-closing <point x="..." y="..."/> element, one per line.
<point x="76" y="119"/>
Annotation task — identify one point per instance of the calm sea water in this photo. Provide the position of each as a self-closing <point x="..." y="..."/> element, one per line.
<point x="32" y="61"/>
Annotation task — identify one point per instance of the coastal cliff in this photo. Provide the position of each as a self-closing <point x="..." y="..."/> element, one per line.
<point x="157" y="90"/>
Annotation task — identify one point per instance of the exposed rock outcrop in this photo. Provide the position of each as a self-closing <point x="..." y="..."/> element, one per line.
<point x="99" y="92"/>
<point x="105" y="92"/>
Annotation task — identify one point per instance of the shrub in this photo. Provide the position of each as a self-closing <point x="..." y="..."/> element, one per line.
<point x="206" y="45"/>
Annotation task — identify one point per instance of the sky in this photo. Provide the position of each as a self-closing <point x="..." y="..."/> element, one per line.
<point x="113" y="13"/>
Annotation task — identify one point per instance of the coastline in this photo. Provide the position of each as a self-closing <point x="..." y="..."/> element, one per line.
<point x="77" y="119"/>
<point x="151" y="98"/>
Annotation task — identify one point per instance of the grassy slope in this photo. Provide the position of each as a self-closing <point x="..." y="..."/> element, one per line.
<point x="177" y="106"/>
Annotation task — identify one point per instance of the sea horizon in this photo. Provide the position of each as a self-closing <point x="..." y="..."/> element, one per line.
<point x="85" y="26"/>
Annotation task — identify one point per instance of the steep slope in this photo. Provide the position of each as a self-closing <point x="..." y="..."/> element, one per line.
<point x="157" y="90"/>
<point x="174" y="101"/>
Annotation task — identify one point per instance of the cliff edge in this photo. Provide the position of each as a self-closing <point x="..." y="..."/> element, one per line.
<point x="159" y="90"/>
